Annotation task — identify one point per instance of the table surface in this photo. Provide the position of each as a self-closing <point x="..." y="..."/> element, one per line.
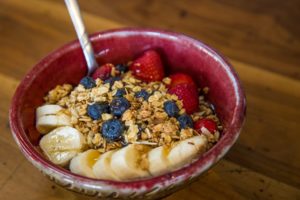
<point x="261" y="40"/>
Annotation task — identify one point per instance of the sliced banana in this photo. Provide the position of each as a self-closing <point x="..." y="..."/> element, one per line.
<point x="130" y="162"/>
<point x="46" y="123"/>
<point x="102" y="168"/>
<point x="62" y="144"/>
<point x="61" y="158"/>
<point x="49" y="109"/>
<point x="186" y="150"/>
<point x="158" y="160"/>
<point x="83" y="163"/>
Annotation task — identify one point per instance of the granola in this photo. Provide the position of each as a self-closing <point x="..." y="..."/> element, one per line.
<point x="146" y="122"/>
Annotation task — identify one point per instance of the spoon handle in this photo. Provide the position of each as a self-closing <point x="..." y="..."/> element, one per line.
<point x="86" y="46"/>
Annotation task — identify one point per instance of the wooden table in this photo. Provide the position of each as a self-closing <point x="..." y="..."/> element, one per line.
<point x="262" y="41"/>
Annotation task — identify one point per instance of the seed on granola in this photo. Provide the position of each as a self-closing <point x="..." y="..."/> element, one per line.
<point x="132" y="133"/>
<point x="102" y="90"/>
<point x="127" y="115"/>
<point x="152" y="98"/>
<point x="82" y="96"/>
<point x="129" y="97"/>
<point x="205" y="90"/>
<point x="169" y="127"/>
<point x="84" y="119"/>
<point x="166" y="81"/>
<point x="97" y="139"/>
<point x="147" y="131"/>
<point x="144" y="136"/>
<point x="186" y="133"/>
<point x="106" y="116"/>
<point x="160" y="115"/>
<point x="118" y="85"/>
<point x="158" y="127"/>
<point x="114" y="72"/>
<point x="94" y="128"/>
<point x="144" y="114"/>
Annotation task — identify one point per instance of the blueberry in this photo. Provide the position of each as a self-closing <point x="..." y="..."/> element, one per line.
<point x="112" y="80"/>
<point x="122" y="68"/>
<point x="97" y="109"/>
<point x="112" y="130"/>
<point x="118" y="106"/>
<point x="185" y="121"/>
<point x="120" y="92"/>
<point x="87" y="82"/>
<point x="171" y="108"/>
<point x="142" y="94"/>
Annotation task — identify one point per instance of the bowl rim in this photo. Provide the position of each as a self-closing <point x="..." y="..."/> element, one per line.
<point x="204" y="162"/>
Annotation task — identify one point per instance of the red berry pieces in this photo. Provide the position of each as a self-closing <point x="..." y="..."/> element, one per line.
<point x="103" y="72"/>
<point x="185" y="88"/>
<point x="188" y="94"/>
<point x="209" y="124"/>
<point x="179" y="78"/>
<point x="148" y="67"/>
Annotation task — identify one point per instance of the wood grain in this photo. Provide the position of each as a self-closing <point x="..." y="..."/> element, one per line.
<point x="262" y="41"/>
<point x="263" y="33"/>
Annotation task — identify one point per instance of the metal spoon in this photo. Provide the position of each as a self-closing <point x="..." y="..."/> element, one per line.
<point x="85" y="43"/>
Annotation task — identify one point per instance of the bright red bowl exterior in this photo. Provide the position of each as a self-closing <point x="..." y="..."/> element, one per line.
<point x="179" y="53"/>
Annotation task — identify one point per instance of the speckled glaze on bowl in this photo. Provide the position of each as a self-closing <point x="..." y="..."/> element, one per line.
<point x="179" y="53"/>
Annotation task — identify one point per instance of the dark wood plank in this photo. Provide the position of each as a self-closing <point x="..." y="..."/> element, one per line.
<point x="253" y="185"/>
<point x="28" y="34"/>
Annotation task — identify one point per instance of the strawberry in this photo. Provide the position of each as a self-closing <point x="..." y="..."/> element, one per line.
<point x="188" y="94"/>
<point x="209" y="124"/>
<point x="179" y="78"/>
<point x="103" y="72"/>
<point x="148" y="67"/>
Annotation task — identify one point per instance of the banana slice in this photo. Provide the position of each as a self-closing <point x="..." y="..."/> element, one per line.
<point x="158" y="160"/>
<point x="62" y="144"/>
<point x="102" y="168"/>
<point x="83" y="163"/>
<point x="61" y="158"/>
<point x="130" y="162"/>
<point x="46" y="123"/>
<point x="47" y="110"/>
<point x="185" y="151"/>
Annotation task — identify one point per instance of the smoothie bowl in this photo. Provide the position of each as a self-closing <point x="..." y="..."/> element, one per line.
<point x="161" y="109"/>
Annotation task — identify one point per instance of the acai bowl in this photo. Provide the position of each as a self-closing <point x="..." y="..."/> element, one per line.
<point x="178" y="54"/>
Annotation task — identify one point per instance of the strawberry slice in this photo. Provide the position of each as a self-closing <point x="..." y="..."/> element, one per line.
<point x="188" y="94"/>
<point x="209" y="124"/>
<point x="179" y="78"/>
<point x="148" y="67"/>
<point x="103" y="72"/>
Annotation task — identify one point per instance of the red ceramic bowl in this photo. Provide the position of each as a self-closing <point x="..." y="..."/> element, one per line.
<point x="179" y="53"/>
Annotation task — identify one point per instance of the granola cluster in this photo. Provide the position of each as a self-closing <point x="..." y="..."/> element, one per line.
<point x="145" y="121"/>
